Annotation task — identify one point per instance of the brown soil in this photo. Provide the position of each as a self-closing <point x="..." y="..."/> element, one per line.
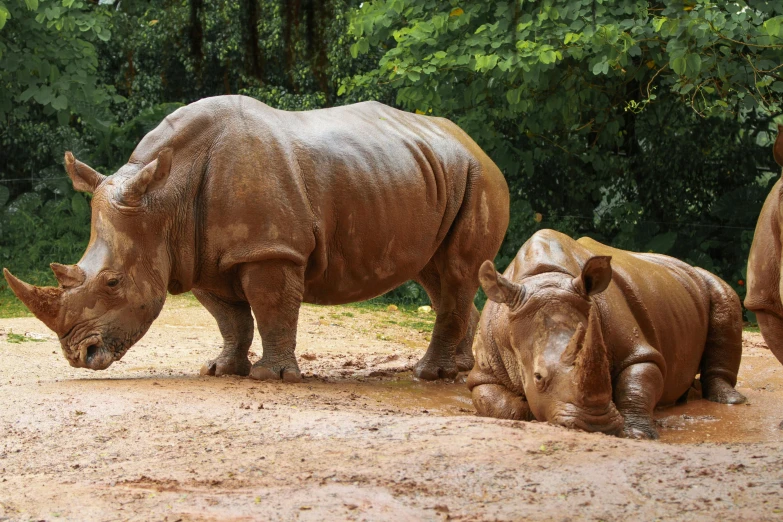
<point x="148" y="439"/>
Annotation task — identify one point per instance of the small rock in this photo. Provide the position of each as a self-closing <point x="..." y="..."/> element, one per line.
<point x="424" y="309"/>
<point x="392" y="308"/>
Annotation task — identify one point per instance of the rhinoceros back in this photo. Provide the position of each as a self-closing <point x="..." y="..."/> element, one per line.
<point x="362" y="194"/>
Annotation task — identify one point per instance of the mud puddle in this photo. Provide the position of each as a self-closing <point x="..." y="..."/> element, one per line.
<point x="758" y="420"/>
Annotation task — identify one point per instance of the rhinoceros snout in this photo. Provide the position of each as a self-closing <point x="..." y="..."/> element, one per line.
<point x="90" y="353"/>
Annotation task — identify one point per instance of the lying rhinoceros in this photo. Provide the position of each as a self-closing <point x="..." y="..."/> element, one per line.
<point x="559" y="343"/>
<point x="256" y="209"/>
<point x="764" y="262"/>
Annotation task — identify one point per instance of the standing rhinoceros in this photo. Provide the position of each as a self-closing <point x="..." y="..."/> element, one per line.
<point x="559" y="343"/>
<point x="256" y="209"/>
<point x="764" y="262"/>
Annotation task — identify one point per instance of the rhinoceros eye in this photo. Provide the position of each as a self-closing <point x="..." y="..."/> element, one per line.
<point x="537" y="377"/>
<point x="113" y="282"/>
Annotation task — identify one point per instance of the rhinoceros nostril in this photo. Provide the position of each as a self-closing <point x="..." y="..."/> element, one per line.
<point x="91" y="351"/>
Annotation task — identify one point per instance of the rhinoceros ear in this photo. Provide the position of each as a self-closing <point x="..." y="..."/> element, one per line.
<point x="69" y="276"/>
<point x="596" y="276"/>
<point x="777" y="150"/>
<point x="84" y="178"/>
<point x="498" y="288"/>
<point x="153" y="172"/>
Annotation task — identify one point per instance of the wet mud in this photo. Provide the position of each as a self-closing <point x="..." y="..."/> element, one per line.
<point x="359" y="439"/>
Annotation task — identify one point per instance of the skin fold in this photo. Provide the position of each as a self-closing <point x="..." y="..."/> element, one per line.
<point x="764" y="260"/>
<point x="587" y="336"/>
<point x="257" y="210"/>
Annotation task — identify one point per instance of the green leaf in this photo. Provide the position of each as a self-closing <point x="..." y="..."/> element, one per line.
<point x="79" y="206"/>
<point x="548" y="57"/>
<point x="4" y="15"/>
<point x="678" y="65"/>
<point x="60" y="103"/>
<point x="693" y="64"/>
<point x="43" y="95"/>
<point x="662" y="243"/>
<point x="32" y="5"/>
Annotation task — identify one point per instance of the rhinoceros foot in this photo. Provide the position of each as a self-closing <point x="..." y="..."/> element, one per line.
<point x="465" y="362"/>
<point x="226" y="366"/>
<point x="722" y="392"/>
<point x="431" y="369"/>
<point x="285" y="372"/>
<point x="640" y="428"/>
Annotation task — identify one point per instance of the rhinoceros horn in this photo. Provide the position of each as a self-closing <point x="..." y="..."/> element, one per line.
<point x="591" y="365"/>
<point x="69" y="276"/>
<point x="84" y="178"/>
<point x="137" y="186"/>
<point x="777" y="150"/>
<point x="44" y="302"/>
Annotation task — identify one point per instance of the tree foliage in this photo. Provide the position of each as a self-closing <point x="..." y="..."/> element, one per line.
<point x="643" y="124"/>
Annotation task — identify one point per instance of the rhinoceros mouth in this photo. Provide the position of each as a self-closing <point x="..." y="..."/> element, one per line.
<point x="90" y="352"/>
<point x="97" y="351"/>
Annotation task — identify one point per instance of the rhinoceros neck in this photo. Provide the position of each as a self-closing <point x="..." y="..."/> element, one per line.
<point x="183" y="237"/>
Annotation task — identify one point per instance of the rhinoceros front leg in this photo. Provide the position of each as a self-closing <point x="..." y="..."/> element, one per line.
<point x="636" y="392"/>
<point x="274" y="290"/>
<point x="236" y="326"/>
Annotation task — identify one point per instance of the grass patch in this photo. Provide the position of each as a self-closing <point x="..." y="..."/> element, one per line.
<point x="423" y="326"/>
<point x="10" y="306"/>
<point x="21" y="338"/>
<point x="753" y="329"/>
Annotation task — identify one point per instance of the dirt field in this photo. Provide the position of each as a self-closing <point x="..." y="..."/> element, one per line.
<point x="148" y="439"/>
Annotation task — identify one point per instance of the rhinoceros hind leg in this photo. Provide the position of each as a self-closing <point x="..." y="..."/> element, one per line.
<point x="236" y="326"/>
<point x="636" y="392"/>
<point x="718" y="390"/>
<point x="274" y="290"/>
<point x="430" y="280"/>
<point x="723" y="350"/>
<point x="465" y="358"/>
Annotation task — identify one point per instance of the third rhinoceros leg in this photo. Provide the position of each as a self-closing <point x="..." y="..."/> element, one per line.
<point x="274" y="290"/>
<point x="452" y="323"/>
<point x="236" y="326"/>
<point x="720" y="361"/>
<point x="636" y="392"/>
<point x="430" y="280"/>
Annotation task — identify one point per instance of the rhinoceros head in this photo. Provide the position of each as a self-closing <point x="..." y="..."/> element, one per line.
<point x="554" y="333"/>
<point x="106" y="302"/>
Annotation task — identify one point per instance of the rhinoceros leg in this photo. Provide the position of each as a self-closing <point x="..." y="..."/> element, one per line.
<point x="720" y="361"/>
<point x="636" y="392"/>
<point x="274" y="290"/>
<point x="452" y="324"/>
<point x="236" y="326"/>
<point x="430" y="280"/>
<point x="771" y="326"/>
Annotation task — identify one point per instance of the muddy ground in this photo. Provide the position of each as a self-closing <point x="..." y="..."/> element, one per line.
<point x="149" y="439"/>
